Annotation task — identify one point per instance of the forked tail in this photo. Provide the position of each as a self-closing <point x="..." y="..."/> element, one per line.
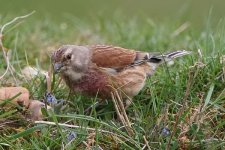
<point x="157" y="58"/>
<point x="168" y="56"/>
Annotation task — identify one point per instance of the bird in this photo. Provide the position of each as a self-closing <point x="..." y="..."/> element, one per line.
<point x="103" y="69"/>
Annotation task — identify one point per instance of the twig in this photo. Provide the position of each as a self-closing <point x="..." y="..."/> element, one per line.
<point x="75" y="126"/>
<point x="146" y="142"/>
<point x="121" y="113"/>
<point x="4" y="50"/>
<point x="118" y="111"/>
<point x="123" y="109"/>
<point x="15" y="19"/>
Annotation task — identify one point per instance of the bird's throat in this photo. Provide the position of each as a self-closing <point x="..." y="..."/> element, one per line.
<point x="72" y="75"/>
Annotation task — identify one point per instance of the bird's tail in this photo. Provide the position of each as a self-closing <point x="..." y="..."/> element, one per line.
<point x="157" y="58"/>
<point x="168" y="57"/>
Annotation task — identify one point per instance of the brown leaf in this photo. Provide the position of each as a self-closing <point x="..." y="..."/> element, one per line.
<point x="31" y="72"/>
<point x="35" y="110"/>
<point x="10" y="92"/>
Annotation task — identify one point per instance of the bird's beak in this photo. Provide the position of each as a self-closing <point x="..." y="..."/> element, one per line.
<point x="57" y="67"/>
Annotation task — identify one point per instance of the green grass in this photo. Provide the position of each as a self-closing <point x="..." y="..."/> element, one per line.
<point x="187" y="98"/>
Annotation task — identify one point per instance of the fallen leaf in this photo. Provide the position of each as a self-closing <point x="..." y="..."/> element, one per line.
<point x="31" y="72"/>
<point x="35" y="110"/>
<point x="10" y="92"/>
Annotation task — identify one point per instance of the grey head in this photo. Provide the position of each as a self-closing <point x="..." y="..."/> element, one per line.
<point x="71" y="60"/>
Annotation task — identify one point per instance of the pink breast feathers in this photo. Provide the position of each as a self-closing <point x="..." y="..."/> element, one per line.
<point x="92" y="83"/>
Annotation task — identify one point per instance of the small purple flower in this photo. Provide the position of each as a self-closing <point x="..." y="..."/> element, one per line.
<point x="71" y="135"/>
<point x="50" y="98"/>
<point x="165" y="131"/>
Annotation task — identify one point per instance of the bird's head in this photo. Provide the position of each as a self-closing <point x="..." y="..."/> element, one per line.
<point x="71" y="60"/>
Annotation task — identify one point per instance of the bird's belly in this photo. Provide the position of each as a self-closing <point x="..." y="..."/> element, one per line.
<point x="132" y="80"/>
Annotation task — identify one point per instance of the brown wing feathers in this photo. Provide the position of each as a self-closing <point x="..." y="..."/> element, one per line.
<point x="112" y="57"/>
<point x="118" y="57"/>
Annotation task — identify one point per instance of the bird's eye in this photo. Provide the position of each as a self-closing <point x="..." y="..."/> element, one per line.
<point x="68" y="56"/>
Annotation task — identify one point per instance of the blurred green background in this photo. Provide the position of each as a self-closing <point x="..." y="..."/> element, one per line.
<point x="138" y="24"/>
<point x="194" y="11"/>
